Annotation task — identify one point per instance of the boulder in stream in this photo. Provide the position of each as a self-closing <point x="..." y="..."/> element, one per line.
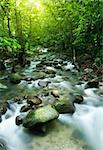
<point x="50" y="70"/>
<point x="15" y="78"/>
<point x="38" y="75"/>
<point x="64" y="107"/>
<point x="55" y="93"/>
<point x="34" y="100"/>
<point x="18" y="120"/>
<point x="25" y="108"/>
<point x="3" y="108"/>
<point x="78" y="99"/>
<point x="92" y="84"/>
<point x="43" y="83"/>
<point x="40" y="116"/>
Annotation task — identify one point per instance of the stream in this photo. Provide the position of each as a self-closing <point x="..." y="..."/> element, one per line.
<point x="81" y="131"/>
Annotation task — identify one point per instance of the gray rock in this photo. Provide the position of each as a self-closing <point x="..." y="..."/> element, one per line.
<point x="40" y="116"/>
<point x="43" y="83"/>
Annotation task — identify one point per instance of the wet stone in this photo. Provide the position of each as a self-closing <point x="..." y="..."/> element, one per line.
<point x="3" y="108"/>
<point x="55" y="93"/>
<point x="78" y="99"/>
<point x="35" y="100"/>
<point x="40" y="116"/>
<point x="92" y="84"/>
<point x="43" y="83"/>
<point x="25" y="108"/>
<point x="18" y="120"/>
<point x="15" y="78"/>
<point x="64" y="107"/>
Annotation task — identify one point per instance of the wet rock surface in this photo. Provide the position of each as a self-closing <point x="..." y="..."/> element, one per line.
<point x="25" y="108"/>
<point x="34" y="100"/>
<point x="15" y="78"/>
<point x="92" y="84"/>
<point x="3" y="108"/>
<point x="40" y="116"/>
<point x="78" y="99"/>
<point x="64" y="107"/>
<point x="18" y="120"/>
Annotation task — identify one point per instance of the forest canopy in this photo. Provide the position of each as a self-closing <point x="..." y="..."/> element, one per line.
<point x="60" y="25"/>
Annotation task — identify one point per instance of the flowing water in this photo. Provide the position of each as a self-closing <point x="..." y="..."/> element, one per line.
<point x="87" y="121"/>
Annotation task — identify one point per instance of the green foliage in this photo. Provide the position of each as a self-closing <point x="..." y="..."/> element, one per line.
<point x="62" y="25"/>
<point x="9" y="44"/>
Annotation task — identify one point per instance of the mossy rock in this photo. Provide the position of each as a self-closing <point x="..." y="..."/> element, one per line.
<point x="15" y="78"/>
<point x="38" y="75"/>
<point x="64" y="106"/>
<point x="40" y="116"/>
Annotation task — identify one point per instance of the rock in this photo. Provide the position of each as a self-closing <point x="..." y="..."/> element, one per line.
<point x="55" y="93"/>
<point x="43" y="83"/>
<point x="25" y="108"/>
<point x="3" y="108"/>
<point x="18" y="120"/>
<point x="28" y="78"/>
<point x="2" y="66"/>
<point x="78" y="99"/>
<point x="40" y="65"/>
<point x="38" y="75"/>
<point x="35" y="100"/>
<point x="58" y="66"/>
<point x="40" y="116"/>
<point x="92" y="84"/>
<point x="15" y="78"/>
<point x="50" y="75"/>
<point x="50" y="70"/>
<point x="64" y="107"/>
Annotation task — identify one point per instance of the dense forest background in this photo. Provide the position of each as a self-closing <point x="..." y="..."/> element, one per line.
<point x="74" y="27"/>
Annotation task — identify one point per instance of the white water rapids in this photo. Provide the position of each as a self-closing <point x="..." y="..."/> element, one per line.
<point x="88" y="119"/>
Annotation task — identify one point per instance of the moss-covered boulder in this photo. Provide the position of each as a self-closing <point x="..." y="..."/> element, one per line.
<point x="40" y="116"/>
<point x="15" y="78"/>
<point x="38" y="75"/>
<point x="64" y="106"/>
